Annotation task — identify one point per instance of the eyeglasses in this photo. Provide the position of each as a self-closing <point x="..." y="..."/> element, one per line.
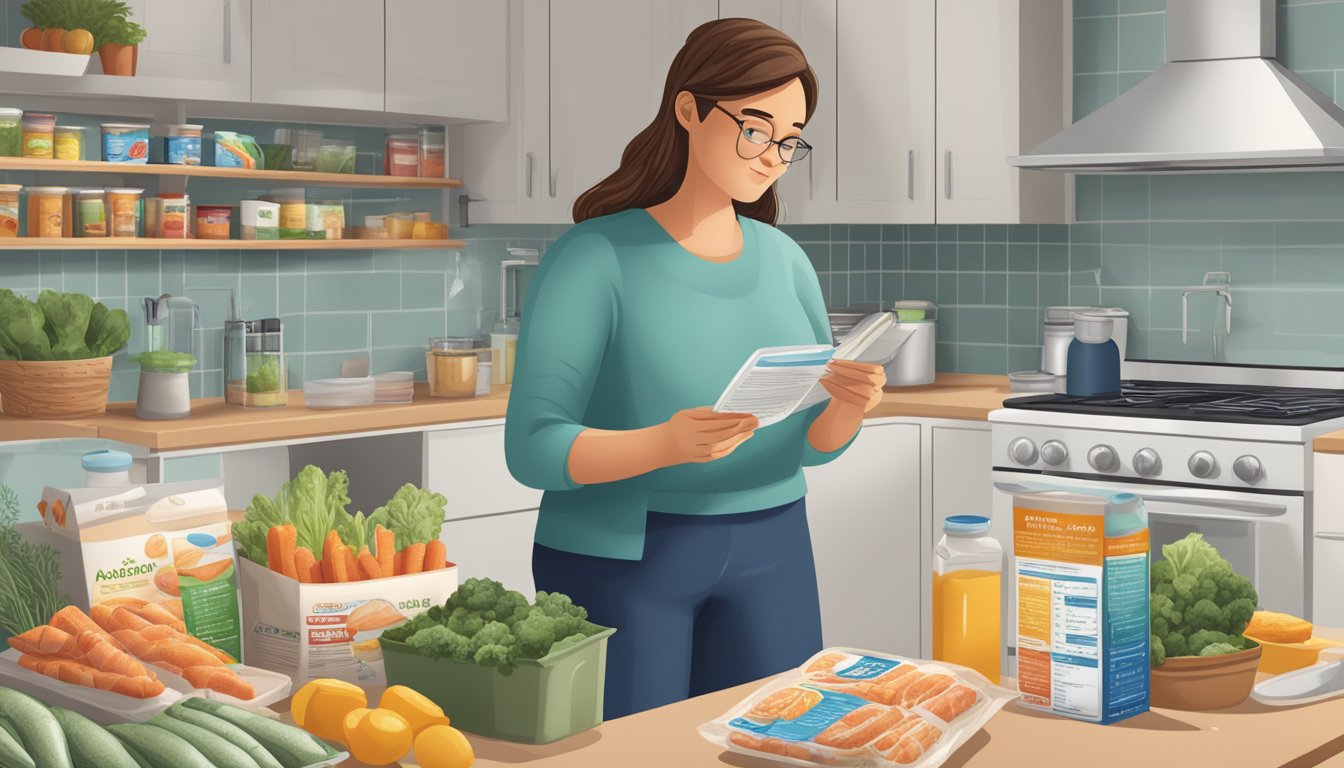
<point x="757" y="134"/>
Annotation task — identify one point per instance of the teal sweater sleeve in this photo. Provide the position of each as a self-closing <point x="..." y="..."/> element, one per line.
<point x="567" y="321"/>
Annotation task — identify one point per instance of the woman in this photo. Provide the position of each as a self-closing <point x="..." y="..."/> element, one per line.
<point x="682" y="527"/>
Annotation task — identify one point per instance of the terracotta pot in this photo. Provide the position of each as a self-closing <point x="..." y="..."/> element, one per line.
<point x="1199" y="683"/>
<point x="119" y="59"/>
<point x="55" y="389"/>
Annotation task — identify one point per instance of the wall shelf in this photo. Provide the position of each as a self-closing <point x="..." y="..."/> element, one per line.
<point x="211" y="172"/>
<point x="192" y="244"/>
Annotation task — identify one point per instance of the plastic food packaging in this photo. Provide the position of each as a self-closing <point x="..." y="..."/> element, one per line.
<point x="213" y="221"/>
<point x="335" y="156"/>
<point x="236" y="150"/>
<point x="851" y="708"/>
<point x="126" y="143"/>
<point x="49" y="212"/>
<point x="182" y="145"/>
<point x="125" y="211"/>
<point x="402" y="155"/>
<point x="433" y="153"/>
<point x="91" y="213"/>
<point x="69" y="142"/>
<point x="338" y="393"/>
<point x="393" y="387"/>
<point x="326" y="221"/>
<point x="968" y="596"/>
<point x="9" y="209"/>
<point x="172" y="219"/>
<point x="259" y="220"/>
<point x="39" y="135"/>
<point x="307" y="143"/>
<point x="11" y="132"/>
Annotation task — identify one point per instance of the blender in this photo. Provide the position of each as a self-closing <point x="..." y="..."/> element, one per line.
<point x="504" y="337"/>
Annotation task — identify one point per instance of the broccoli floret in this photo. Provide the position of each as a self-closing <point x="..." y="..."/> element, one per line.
<point x="1157" y="651"/>
<point x="478" y="594"/>
<point x="1162" y="573"/>
<point x="1166" y="590"/>
<point x="1237" y="614"/>
<point x="1236" y="587"/>
<point x="402" y="632"/>
<point x="465" y="621"/>
<point x="1218" y="649"/>
<point x="506" y="608"/>
<point x="1176" y="645"/>
<point x="1204" y="614"/>
<point x="439" y="641"/>
<point x="1185" y="586"/>
<point x="1205" y="637"/>
<point x="493" y="633"/>
<point x="495" y="646"/>
<point x="498" y="656"/>
<point x="556" y="604"/>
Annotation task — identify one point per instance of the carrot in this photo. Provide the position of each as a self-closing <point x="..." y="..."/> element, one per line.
<point x="289" y="541"/>
<point x="42" y="509"/>
<point x="317" y="575"/>
<point x="415" y="557"/>
<point x="351" y="566"/>
<point x="328" y="566"/>
<point x="368" y="566"/>
<point x="329" y="545"/>
<point x="386" y="541"/>
<point x="339" y="567"/>
<point x="273" y="549"/>
<point x="436" y="556"/>
<point x="399" y="564"/>
<point x="207" y="572"/>
<point x="58" y="512"/>
<point x="303" y="564"/>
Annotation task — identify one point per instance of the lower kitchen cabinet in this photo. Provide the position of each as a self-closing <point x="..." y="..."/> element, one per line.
<point x="960" y="463"/>
<point x="1327" y="541"/>
<point x="466" y="464"/>
<point x="495" y="546"/>
<point x="863" y="510"/>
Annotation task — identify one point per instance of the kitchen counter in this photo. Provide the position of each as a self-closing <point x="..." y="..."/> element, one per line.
<point x="1330" y="442"/>
<point x="214" y="424"/>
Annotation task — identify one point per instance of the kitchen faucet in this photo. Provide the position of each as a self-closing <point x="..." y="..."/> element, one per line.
<point x="1219" y="284"/>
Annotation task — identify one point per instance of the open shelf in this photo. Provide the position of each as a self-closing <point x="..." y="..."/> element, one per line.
<point x="193" y="244"/>
<point x="211" y="172"/>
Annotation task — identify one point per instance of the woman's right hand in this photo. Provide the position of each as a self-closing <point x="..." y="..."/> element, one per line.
<point x="699" y="435"/>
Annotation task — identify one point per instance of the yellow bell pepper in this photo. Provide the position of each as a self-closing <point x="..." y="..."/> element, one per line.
<point x="442" y="746"/>
<point x="377" y="736"/>
<point x="418" y="710"/>
<point x="320" y="706"/>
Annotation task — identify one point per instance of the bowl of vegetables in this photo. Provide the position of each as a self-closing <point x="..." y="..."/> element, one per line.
<point x="1200" y="607"/>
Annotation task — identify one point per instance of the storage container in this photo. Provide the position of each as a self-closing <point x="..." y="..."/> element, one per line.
<point x="164" y="391"/>
<point x="293" y="213"/>
<point x="182" y="145"/>
<point x="259" y="220"/>
<point x="106" y="468"/>
<point x="326" y="221"/>
<point x="1094" y="359"/>
<point x="11" y="132"/>
<point x="400" y="226"/>
<point x="339" y="393"/>
<point x="9" y="209"/>
<point x="968" y="596"/>
<point x="69" y="142"/>
<point x="913" y="365"/>
<point x="39" y="135"/>
<point x="125" y="211"/>
<point x="255" y="373"/>
<point x="213" y="222"/>
<point x="393" y="387"/>
<point x="335" y="156"/>
<point x="91" y="213"/>
<point x="55" y="389"/>
<point x="402" y="155"/>
<point x="451" y="372"/>
<point x="236" y="150"/>
<point x="126" y="143"/>
<point x="49" y="212"/>
<point x="172" y="215"/>
<point x="541" y="701"/>
<point x="307" y="143"/>
<point x="433" y="152"/>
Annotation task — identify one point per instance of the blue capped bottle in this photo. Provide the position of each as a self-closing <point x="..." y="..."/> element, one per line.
<point x="1094" y="358"/>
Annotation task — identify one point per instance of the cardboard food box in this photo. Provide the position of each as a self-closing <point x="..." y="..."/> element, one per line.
<point x="309" y="631"/>
<point x="165" y="543"/>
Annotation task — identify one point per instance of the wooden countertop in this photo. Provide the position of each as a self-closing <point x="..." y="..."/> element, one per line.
<point x="1330" y="442"/>
<point x="214" y="424"/>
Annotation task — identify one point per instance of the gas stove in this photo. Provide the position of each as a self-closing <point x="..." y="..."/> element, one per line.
<point x="1200" y="402"/>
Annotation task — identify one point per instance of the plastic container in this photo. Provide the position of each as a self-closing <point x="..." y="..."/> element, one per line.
<point x="49" y="212"/>
<point x="163" y="395"/>
<point x="182" y="145"/>
<point x="126" y="143"/>
<point x="39" y="135"/>
<point x="173" y="210"/>
<point x="69" y="142"/>
<point x="335" y="156"/>
<point x="402" y="155"/>
<point x="393" y="387"/>
<point x="11" y="132"/>
<point x="326" y="221"/>
<point x="105" y="707"/>
<point x="307" y="143"/>
<point x="9" y="209"/>
<point x="91" y="213"/>
<point x="433" y="152"/>
<point x="1032" y="381"/>
<point x="255" y="374"/>
<point x="106" y="468"/>
<point x="451" y="372"/>
<point x="339" y="393"/>
<point x="213" y="222"/>
<point x="236" y="150"/>
<point x="259" y="220"/>
<point x="1094" y="359"/>
<point x="400" y="226"/>
<point x="968" y="596"/>
<point x="293" y="214"/>
<point x="125" y="211"/>
<point x="541" y="701"/>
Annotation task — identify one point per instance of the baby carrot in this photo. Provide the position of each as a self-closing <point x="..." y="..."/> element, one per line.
<point x="339" y="567"/>
<point x="368" y="566"/>
<point x="303" y="564"/>
<point x="273" y="549"/>
<point x="415" y="557"/>
<point x="436" y="556"/>
<point x="399" y="563"/>
<point x="350" y="564"/>
<point x="289" y="541"/>
<point x="386" y="543"/>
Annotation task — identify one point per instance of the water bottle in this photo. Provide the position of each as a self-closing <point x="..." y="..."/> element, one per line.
<point x="967" y="590"/>
<point x="1094" y="359"/>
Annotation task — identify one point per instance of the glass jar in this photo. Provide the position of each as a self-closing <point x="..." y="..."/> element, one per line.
<point x="9" y="209"/>
<point x="451" y="372"/>
<point x="400" y="226"/>
<point x="39" y="135"/>
<point x="125" y="211"/>
<point x="49" y="212"/>
<point x="11" y="132"/>
<point x="433" y="152"/>
<point x="968" y="596"/>
<point x="69" y="142"/>
<point x="91" y="213"/>
<point x="504" y="342"/>
<point x="402" y="155"/>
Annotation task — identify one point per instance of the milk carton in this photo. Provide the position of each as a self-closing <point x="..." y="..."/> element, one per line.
<point x="1080" y="585"/>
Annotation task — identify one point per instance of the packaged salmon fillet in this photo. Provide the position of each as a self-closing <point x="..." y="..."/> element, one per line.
<point x="858" y="709"/>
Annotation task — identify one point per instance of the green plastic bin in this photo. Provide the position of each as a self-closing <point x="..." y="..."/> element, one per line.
<point x="541" y="701"/>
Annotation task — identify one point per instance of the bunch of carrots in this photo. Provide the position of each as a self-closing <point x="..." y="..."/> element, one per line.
<point x="339" y="564"/>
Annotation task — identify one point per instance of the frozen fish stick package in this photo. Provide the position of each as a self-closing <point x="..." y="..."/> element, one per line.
<point x="858" y="709"/>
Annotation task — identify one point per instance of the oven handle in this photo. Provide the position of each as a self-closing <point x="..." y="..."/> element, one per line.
<point x="1236" y="509"/>
<point x="1331" y="535"/>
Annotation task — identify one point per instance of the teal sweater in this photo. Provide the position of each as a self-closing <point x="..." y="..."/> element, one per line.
<point x="622" y="327"/>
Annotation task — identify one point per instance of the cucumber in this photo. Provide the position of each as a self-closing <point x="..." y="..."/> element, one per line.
<point x="230" y="733"/>
<point x="136" y="756"/>
<point x="12" y="754"/>
<point x="40" y="734"/>
<point x="216" y="748"/>
<point x="161" y="748"/>
<point x="7" y="728"/>
<point x="91" y="746"/>
<point x="293" y="747"/>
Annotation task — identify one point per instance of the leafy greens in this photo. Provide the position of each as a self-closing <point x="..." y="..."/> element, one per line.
<point x="30" y="574"/>
<point x="59" y="326"/>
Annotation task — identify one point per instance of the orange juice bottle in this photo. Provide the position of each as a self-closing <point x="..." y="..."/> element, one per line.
<point x="967" y="589"/>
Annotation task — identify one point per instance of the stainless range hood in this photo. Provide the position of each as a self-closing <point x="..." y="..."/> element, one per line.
<point x="1220" y="103"/>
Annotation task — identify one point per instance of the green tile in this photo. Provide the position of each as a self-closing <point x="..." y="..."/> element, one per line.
<point x="258" y="296"/>
<point x="970" y="288"/>
<point x="1094" y="45"/>
<point x="824" y="282"/>
<point x="893" y="287"/>
<point x="1237" y="197"/>
<point x="922" y="233"/>
<point x="1083" y="256"/>
<point x="819" y="254"/>
<point x="1085" y="277"/>
<point x="142" y="274"/>
<point x="342" y="261"/>
<point x="971" y="256"/>
<point x="1125" y="198"/>
<point x="996" y="233"/>
<point x="1133" y="299"/>
<point x="923" y="256"/>
<point x="293" y="326"/>
<point x="947" y="233"/>
<point x="808" y="232"/>
<point x="336" y="331"/>
<point x="386" y="359"/>
<point x="1242" y="234"/>
<point x="1023" y="233"/>
<point x="947" y="257"/>
<point x="292" y="262"/>
<point x="1087" y="198"/>
<point x="945" y="357"/>
<point x="893" y="256"/>
<point x="1141" y="6"/>
<point x="1022" y="257"/>
<point x="291" y="293"/>
<point x="1142" y="42"/>
<point x="859" y="288"/>
<point x="839" y="257"/>
<point x="1085" y="233"/>
<point x="1308" y="310"/>
<point x="921" y="285"/>
<point x="1055" y="258"/>
<point x="387" y="260"/>
<point x="1301" y="233"/>
<point x="947" y="323"/>
<point x="1024" y="327"/>
<point x="839" y="295"/>
<point x="1179" y="267"/>
<point x="1022" y="291"/>
<point x="893" y="233"/>
<point x="1308" y="266"/>
<point x="1189" y="233"/>
<point x="419" y="290"/>
<point x="1249" y="266"/>
<point x="1091" y="92"/>
<point x="201" y="263"/>
<point x="1164" y="308"/>
<point x="865" y="233"/>
<point x="1024" y="358"/>
<point x="327" y="365"/>
<point x="1323" y="81"/>
<point x="1054" y="233"/>
<point x="978" y="358"/>
<point x="872" y="283"/>
<point x="970" y="233"/>
<point x="1084" y="295"/>
<point x="839" y="233"/>
<point x="1127" y="233"/>
<point x="259" y="262"/>
<point x="80" y="269"/>
<point x="1054" y="290"/>
<point x="1094" y="8"/>
<point x="399" y="329"/>
<point x="111" y="274"/>
<point x="352" y="292"/>
<point x="48" y="266"/>
<point x="947" y="289"/>
<point x="294" y="370"/>
<point x="1127" y="80"/>
<point x="996" y="289"/>
<point x="872" y="257"/>
<point x="982" y="324"/>
<point x="996" y="257"/>
<point x="1308" y="36"/>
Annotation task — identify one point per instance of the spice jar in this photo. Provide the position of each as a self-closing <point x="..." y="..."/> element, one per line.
<point x="212" y="221"/>
<point x="69" y="142"/>
<point x="39" y="135"/>
<point x="91" y="213"/>
<point x="48" y="212"/>
<point x="433" y="153"/>
<point x="9" y="210"/>
<point x="402" y="155"/>
<point x="11" y="132"/>
<point x="173" y="207"/>
<point x="124" y="211"/>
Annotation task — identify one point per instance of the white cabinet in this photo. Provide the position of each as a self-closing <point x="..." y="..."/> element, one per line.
<point x="1327" y="541"/>
<point x="863" y="510"/>
<point x="1003" y="87"/>
<point x="447" y="58"/>
<point x="467" y="465"/>
<point x="961" y="464"/>
<point x="318" y="53"/>
<point x="497" y="547"/>
<point x="199" y="50"/>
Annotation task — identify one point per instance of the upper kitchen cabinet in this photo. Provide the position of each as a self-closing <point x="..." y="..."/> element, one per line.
<point x="447" y="58"/>
<point x="1002" y="88"/>
<point x="199" y="50"/>
<point x="318" y="53"/>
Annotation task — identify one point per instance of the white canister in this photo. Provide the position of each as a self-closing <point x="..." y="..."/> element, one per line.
<point x="1120" y="324"/>
<point x="163" y="395"/>
<point x="106" y="468"/>
<point x="1055" y="348"/>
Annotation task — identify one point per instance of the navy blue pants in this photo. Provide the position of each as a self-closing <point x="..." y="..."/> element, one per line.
<point x="718" y="600"/>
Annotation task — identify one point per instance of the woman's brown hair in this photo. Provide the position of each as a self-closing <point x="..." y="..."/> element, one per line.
<point x="721" y="60"/>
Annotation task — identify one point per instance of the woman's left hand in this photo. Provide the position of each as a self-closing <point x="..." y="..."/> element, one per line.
<point x="855" y="385"/>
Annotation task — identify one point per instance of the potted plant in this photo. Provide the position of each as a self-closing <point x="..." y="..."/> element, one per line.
<point x="81" y="26"/>
<point x="56" y="354"/>
<point x="118" y="42"/>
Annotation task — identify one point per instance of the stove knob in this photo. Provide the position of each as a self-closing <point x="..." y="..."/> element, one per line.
<point x="1147" y="463"/>
<point x="1103" y="458"/>
<point x="1023" y="451"/>
<point x="1249" y="469"/>
<point x="1203" y="465"/>
<point x="1054" y="453"/>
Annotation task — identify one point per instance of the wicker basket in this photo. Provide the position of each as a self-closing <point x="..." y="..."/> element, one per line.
<point x="55" y="389"/>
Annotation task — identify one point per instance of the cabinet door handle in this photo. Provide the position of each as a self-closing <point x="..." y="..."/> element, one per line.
<point x="528" y="173"/>
<point x="947" y="174"/>
<point x="554" y="176"/>
<point x="228" y="35"/>
<point x="910" y="175"/>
